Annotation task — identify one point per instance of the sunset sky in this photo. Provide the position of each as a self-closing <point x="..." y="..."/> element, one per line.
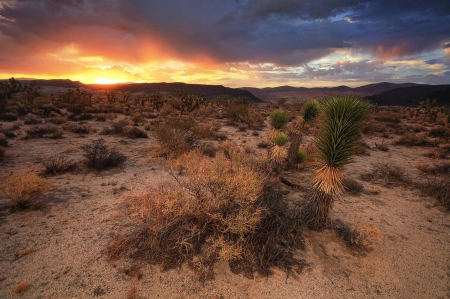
<point x="229" y="42"/>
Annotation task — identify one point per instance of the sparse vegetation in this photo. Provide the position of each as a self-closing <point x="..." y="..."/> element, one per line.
<point x="366" y="237"/>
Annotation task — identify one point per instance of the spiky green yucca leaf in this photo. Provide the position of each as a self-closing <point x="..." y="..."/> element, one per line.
<point x="343" y="118"/>
<point x="278" y="118"/>
<point x="310" y="111"/>
<point x="281" y="139"/>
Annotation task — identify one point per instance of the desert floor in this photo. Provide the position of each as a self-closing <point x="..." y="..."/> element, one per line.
<point x="70" y="228"/>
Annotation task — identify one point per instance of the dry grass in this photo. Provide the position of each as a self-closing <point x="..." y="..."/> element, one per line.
<point x="58" y="164"/>
<point x="352" y="186"/>
<point x="216" y="208"/>
<point x="388" y="173"/>
<point x="436" y="168"/>
<point x="21" y="287"/>
<point x="366" y="237"/>
<point x="438" y="189"/>
<point x="24" y="189"/>
<point x="411" y="139"/>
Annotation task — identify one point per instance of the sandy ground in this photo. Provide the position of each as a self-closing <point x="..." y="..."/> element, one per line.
<point x="71" y="227"/>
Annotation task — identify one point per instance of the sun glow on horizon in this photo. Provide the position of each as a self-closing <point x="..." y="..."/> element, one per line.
<point x="105" y="80"/>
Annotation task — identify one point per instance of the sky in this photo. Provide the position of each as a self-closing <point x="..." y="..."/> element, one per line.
<point x="236" y="43"/>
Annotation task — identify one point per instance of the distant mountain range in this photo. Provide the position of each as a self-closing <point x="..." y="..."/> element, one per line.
<point x="209" y="91"/>
<point x="384" y="93"/>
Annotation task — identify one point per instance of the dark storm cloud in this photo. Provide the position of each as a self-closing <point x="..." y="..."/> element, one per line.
<point x="283" y="32"/>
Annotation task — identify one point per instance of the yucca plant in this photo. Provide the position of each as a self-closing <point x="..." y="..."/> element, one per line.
<point x="309" y="113"/>
<point x="342" y="122"/>
<point x="278" y="119"/>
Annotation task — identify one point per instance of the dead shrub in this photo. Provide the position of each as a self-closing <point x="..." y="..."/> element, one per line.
<point x="436" y="168"/>
<point x="99" y="156"/>
<point x="438" y="189"/>
<point x="217" y="208"/>
<point x="388" y="173"/>
<point x="208" y="149"/>
<point x="175" y="136"/>
<point x="58" y="164"/>
<point x="100" y="117"/>
<point x="44" y="131"/>
<point x="352" y="186"/>
<point x="366" y="237"/>
<point x="382" y="146"/>
<point x="411" y="139"/>
<point x="440" y="131"/>
<point x="31" y="119"/>
<point x="23" y="189"/>
<point x="78" y="128"/>
<point x="133" y="132"/>
<point x="58" y="119"/>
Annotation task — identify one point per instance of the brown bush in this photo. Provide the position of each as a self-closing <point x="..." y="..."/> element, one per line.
<point x="352" y="186"/>
<point x="24" y="189"/>
<point x="411" y="139"/>
<point x="366" y="237"/>
<point x="388" y="173"/>
<point x="175" y="136"/>
<point x="58" y="164"/>
<point x="99" y="156"/>
<point x="437" y="188"/>
<point x="214" y="209"/>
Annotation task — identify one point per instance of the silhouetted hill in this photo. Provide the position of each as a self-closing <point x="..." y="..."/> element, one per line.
<point x="413" y="95"/>
<point x="302" y="93"/>
<point x="381" y="87"/>
<point x="65" y="83"/>
<point x="209" y="91"/>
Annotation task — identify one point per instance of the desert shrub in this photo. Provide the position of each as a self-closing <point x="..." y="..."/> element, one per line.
<point x="442" y="132"/>
<point x="133" y="132"/>
<point x="388" y="173"/>
<point x="137" y="118"/>
<point x="366" y="237"/>
<point x="278" y="119"/>
<point x="58" y="164"/>
<point x="253" y="118"/>
<point x="3" y="140"/>
<point x="100" y="117"/>
<point x="175" y="136"/>
<point x="411" y="139"/>
<point x="78" y="128"/>
<point x="31" y="119"/>
<point x="206" y="130"/>
<point x="208" y="149"/>
<point x="301" y="156"/>
<point x="217" y="208"/>
<point x="58" y="119"/>
<point x="436" y="168"/>
<point x="116" y="128"/>
<point x="388" y="118"/>
<point x="263" y="144"/>
<point x="99" y="156"/>
<point x="2" y="152"/>
<point x="281" y="139"/>
<point x="9" y="116"/>
<point x="437" y="188"/>
<point x="352" y="186"/>
<point x="43" y="131"/>
<point x="382" y="146"/>
<point x="24" y="189"/>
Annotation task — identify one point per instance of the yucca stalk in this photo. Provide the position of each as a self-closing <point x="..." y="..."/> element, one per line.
<point x="309" y="114"/>
<point x="342" y="121"/>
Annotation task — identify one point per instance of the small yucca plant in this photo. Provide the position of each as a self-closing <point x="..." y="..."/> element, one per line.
<point x="310" y="112"/>
<point x="281" y="139"/>
<point x="278" y="119"/>
<point x="342" y="123"/>
<point x="301" y="156"/>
